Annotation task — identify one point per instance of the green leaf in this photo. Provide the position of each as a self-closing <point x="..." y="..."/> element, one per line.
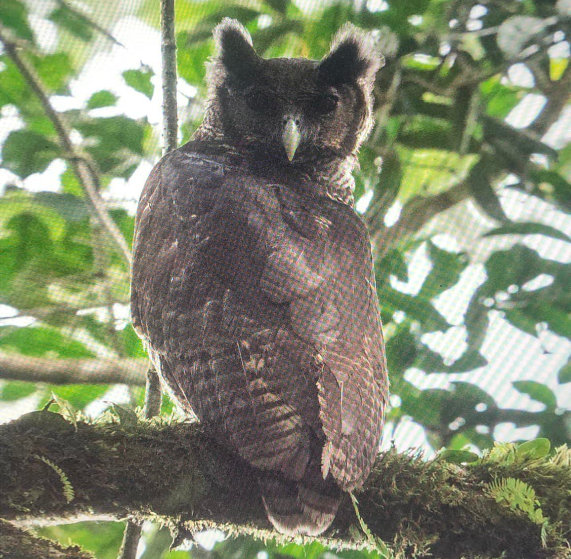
<point x="79" y="395"/>
<point x="536" y="391"/>
<point x="557" y="319"/>
<point x="536" y="448"/>
<point x="410" y="7"/>
<point x="133" y="344"/>
<point x="446" y="269"/>
<point x="528" y="228"/>
<point x="25" y="152"/>
<point x="265" y="38"/>
<point x="564" y="374"/>
<point x="116" y="143"/>
<point x="18" y="208"/>
<point x="73" y="21"/>
<point x="69" y="182"/>
<point x="430" y="171"/>
<point x="458" y="456"/>
<point x="479" y="182"/>
<point x="427" y="407"/>
<point x="521" y="320"/>
<point x="101" y="538"/>
<point x="500" y="98"/>
<point x="414" y="307"/>
<point x="432" y="362"/>
<point x="515" y="266"/>
<point x="71" y="208"/>
<point x="40" y="341"/>
<point x="551" y="186"/>
<point x="521" y="140"/>
<point x="393" y="263"/>
<point x="140" y="80"/>
<point x="13" y="15"/>
<point x="191" y="60"/>
<point x="101" y="98"/>
<point x="54" y="70"/>
<point x="311" y="550"/>
<point x="278" y="5"/>
<point x="14" y="390"/>
<point x="401" y="351"/>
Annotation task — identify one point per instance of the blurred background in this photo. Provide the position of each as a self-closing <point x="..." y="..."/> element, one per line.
<point x="463" y="185"/>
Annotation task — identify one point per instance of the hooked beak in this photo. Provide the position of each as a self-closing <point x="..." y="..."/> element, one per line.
<point x="290" y="138"/>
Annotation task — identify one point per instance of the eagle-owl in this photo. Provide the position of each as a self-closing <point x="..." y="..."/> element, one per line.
<point x="253" y="286"/>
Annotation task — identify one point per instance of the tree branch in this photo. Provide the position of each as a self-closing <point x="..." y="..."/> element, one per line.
<point x="168" y="50"/>
<point x="16" y="543"/>
<point x="153" y="393"/>
<point x="72" y="371"/>
<point x="415" y="214"/>
<point x="418" y="211"/>
<point x="58" y="469"/>
<point x="82" y="166"/>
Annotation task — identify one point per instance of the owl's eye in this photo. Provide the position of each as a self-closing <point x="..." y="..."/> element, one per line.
<point x="261" y="101"/>
<point x="325" y="103"/>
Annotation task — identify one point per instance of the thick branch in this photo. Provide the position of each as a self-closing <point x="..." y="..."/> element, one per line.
<point x="72" y="371"/>
<point x="82" y="167"/>
<point x="53" y="468"/>
<point x="16" y="543"/>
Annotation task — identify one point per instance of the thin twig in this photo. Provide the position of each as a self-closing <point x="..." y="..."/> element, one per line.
<point x="168" y="50"/>
<point x="87" y="178"/>
<point x="153" y="394"/>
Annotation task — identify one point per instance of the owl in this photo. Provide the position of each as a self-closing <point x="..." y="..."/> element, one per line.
<point x="252" y="284"/>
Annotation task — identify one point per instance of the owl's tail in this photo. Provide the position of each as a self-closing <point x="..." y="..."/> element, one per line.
<point x="305" y="507"/>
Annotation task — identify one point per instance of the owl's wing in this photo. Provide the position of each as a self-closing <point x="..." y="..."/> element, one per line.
<point x="282" y="260"/>
<point x="320" y="263"/>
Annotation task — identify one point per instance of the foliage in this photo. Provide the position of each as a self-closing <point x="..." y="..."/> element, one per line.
<point x="460" y="273"/>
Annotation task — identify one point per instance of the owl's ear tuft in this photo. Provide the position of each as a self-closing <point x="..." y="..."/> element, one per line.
<point x="235" y="50"/>
<point x="353" y="58"/>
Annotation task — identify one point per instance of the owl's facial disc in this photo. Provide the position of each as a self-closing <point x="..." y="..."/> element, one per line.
<point x="291" y="136"/>
<point x="293" y="110"/>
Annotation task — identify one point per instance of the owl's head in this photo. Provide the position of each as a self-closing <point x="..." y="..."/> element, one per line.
<point x="293" y="109"/>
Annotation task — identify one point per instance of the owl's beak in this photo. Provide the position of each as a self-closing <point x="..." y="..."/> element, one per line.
<point x="290" y="137"/>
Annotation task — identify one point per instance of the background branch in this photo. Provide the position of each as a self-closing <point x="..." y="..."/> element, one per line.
<point x="83" y="168"/>
<point x="419" y="210"/>
<point x="72" y="371"/>
<point x="168" y="50"/>
<point x="153" y="394"/>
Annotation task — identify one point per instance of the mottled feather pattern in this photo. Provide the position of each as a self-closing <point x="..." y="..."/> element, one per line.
<point x="254" y="293"/>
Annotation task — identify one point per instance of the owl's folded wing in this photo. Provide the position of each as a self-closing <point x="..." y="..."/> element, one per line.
<point x="275" y="253"/>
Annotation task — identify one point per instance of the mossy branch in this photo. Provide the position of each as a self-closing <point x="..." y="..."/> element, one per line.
<point x="16" y="543"/>
<point x="175" y="474"/>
